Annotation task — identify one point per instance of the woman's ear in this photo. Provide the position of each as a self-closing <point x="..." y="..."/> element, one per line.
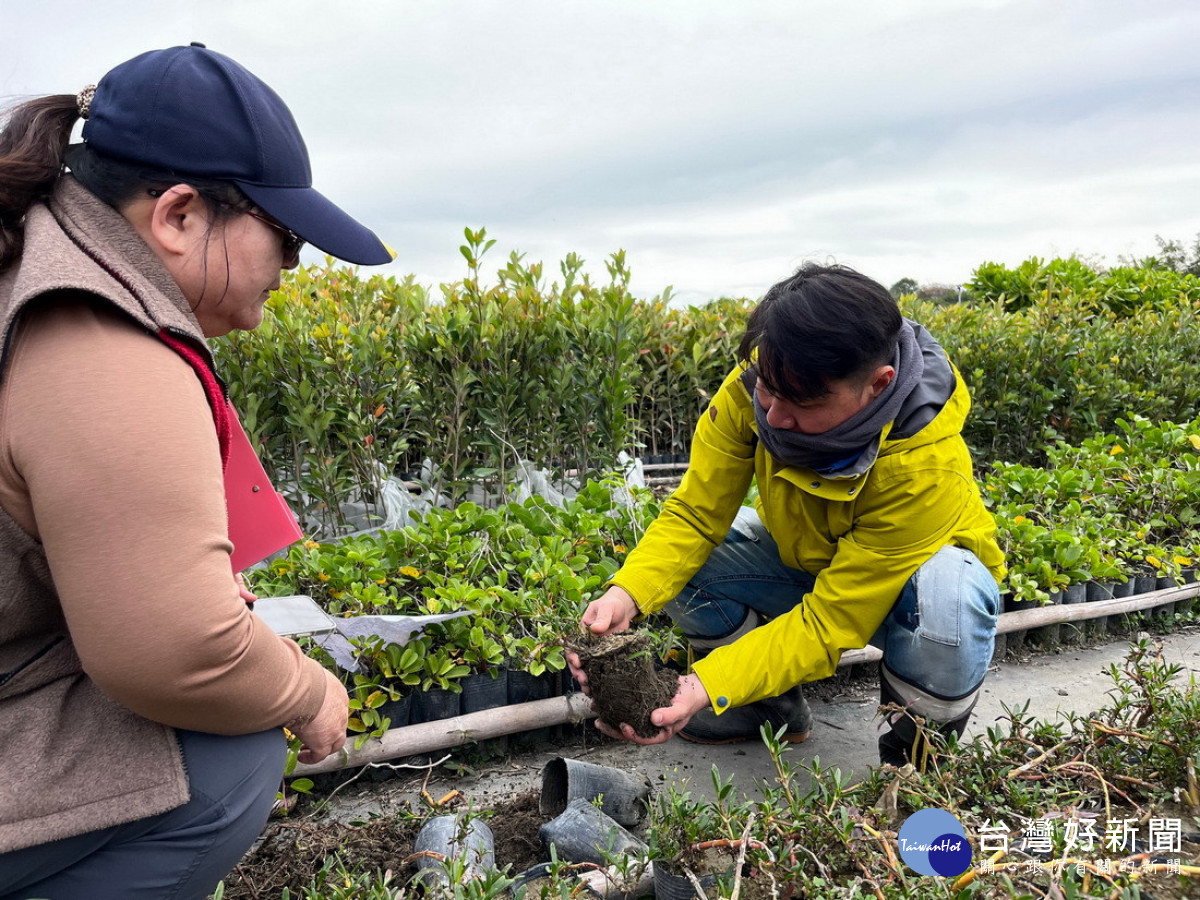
<point x="177" y="221"/>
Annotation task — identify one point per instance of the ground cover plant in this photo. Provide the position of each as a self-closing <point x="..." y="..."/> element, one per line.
<point x="1117" y="507"/>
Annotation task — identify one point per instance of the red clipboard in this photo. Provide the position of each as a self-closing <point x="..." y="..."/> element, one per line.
<point x="260" y="521"/>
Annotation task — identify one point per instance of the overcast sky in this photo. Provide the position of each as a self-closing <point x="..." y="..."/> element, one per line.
<point x="720" y="143"/>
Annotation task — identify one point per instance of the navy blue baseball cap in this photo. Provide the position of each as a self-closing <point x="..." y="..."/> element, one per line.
<point x="192" y="111"/>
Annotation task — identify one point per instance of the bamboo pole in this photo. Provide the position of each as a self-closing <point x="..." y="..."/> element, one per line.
<point x="412" y="740"/>
<point x="426" y="737"/>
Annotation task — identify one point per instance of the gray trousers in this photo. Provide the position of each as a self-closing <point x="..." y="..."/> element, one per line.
<point x="179" y="855"/>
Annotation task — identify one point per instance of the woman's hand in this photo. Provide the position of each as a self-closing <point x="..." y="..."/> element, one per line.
<point x="690" y="697"/>
<point x="244" y="592"/>
<point x="325" y="733"/>
<point x="612" y="611"/>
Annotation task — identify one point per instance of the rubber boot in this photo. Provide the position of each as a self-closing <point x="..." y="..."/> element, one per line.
<point x="907" y="740"/>
<point x="743" y="723"/>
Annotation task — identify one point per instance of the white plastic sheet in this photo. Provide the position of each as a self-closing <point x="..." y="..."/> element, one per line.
<point x="397" y="630"/>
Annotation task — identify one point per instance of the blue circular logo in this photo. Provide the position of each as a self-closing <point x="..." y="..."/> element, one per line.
<point x="933" y="842"/>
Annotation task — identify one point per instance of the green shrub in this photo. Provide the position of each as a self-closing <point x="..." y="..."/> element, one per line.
<point x="350" y="379"/>
<point x="1063" y="371"/>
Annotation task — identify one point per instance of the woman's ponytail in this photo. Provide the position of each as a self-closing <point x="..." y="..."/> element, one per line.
<point x="33" y="141"/>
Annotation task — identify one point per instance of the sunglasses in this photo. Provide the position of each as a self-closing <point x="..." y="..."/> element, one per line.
<point x="292" y="242"/>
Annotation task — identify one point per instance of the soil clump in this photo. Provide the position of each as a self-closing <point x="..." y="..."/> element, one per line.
<point x="624" y="680"/>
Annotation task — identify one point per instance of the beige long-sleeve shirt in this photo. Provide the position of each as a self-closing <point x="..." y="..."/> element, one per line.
<point x="108" y="456"/>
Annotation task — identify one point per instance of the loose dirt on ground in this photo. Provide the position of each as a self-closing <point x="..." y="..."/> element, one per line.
<point x="291" y="854"/>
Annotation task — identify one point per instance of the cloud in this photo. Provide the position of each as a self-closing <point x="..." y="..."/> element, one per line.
<point x="718" y="144"/>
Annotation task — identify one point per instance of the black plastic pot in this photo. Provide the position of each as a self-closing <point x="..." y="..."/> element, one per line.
<point x="1098" y="591"/>
<point x="434" y="705"/>
<point x="621" y="795"/>
<point x="584" y="834"/>
<point x="527" y="880"/>
<point x="484" y="690"/>
<point x="1142" y="584"/>
<point x="1163" y="613"/>
<point x="524" y="688"/>
<point x="399" y="711"/>
<point x="1127" y="588"/>
<point x="1016" y="639"/>
<point x="1049" y="637"/>
<point x="670" y="885"/>
<point x="1072" y="632"/>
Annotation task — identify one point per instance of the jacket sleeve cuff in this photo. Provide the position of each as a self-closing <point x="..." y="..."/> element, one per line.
<point x="720" y="694"/>
<point x="314" y="696"/>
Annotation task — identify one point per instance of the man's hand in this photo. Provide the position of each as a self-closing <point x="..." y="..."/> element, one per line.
<point x="326" y="732"/>
<point x="612" y="611"/>
<point x="689" y="699"/>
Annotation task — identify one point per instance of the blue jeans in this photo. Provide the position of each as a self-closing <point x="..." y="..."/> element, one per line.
<point x="178" y="855"/>
<point x="938" y="638"/>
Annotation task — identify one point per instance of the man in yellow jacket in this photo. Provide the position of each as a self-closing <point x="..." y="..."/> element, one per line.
<point x="869" y="526"/>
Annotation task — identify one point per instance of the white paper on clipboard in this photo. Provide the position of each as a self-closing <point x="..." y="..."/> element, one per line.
<point x="295" y="616"/>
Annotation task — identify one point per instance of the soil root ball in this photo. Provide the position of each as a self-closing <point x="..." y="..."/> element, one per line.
<point x="624" y="680"/>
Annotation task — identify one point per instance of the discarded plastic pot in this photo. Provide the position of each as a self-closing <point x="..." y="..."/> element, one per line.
<point x="671" y="886"/>
<point x="523" y="879"/>
<point x="621" y="795"/>
<point x="446" y="841"/>
<point x="584" y="834"/>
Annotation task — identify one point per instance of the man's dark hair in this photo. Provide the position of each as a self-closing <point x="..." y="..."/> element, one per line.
<point x="822" y="324"/>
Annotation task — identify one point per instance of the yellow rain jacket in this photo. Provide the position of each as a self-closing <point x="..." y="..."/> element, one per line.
<point x="862" y="536"/>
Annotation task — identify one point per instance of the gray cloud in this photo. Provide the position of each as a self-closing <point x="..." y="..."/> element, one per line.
<point x="718" y="144"/>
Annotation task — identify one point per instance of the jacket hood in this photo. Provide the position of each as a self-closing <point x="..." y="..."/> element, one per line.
<point x="932" y="393"/>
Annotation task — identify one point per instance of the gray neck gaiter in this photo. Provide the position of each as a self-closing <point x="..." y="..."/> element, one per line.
<point x="819" y="451"/>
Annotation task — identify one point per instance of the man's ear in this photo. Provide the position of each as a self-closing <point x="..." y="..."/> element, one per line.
<point x="881" y="379"/>
<point x="178" y="219"/>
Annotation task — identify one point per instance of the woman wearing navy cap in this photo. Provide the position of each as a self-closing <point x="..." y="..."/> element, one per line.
<point x="141" y="702"/>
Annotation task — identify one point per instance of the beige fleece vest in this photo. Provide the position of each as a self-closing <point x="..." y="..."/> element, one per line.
<point x="71" y="759"/>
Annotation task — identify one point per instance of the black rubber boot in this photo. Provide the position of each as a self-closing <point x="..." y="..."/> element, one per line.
<point x="743" y="723"/>
<point x="908" y="741"/>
